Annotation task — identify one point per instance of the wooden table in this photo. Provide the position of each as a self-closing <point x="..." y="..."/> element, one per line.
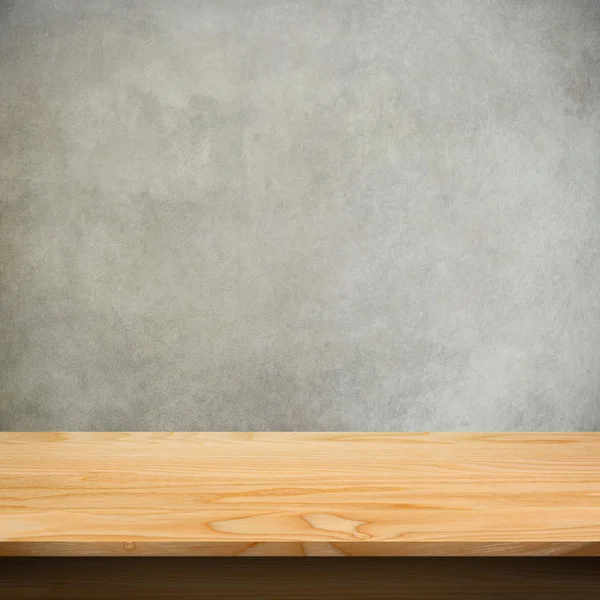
<point x="299" y="494"/>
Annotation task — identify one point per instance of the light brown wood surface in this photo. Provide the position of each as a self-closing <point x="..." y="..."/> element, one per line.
<point x="321" y="494"/>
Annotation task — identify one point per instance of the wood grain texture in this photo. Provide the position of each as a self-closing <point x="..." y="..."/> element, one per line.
<point x="298" y="579"/>
<point x="299" y="494"/>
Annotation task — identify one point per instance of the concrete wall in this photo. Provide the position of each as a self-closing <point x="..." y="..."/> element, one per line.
<point x="280" y="215"/>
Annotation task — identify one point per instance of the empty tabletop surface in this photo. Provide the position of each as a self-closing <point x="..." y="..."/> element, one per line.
<point x="299" y="493"/>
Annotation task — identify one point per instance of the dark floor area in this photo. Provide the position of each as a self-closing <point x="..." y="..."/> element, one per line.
<point x="298" y="579"/>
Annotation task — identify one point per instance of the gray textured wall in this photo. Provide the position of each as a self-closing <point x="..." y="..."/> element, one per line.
<point x="254" y="215"/>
